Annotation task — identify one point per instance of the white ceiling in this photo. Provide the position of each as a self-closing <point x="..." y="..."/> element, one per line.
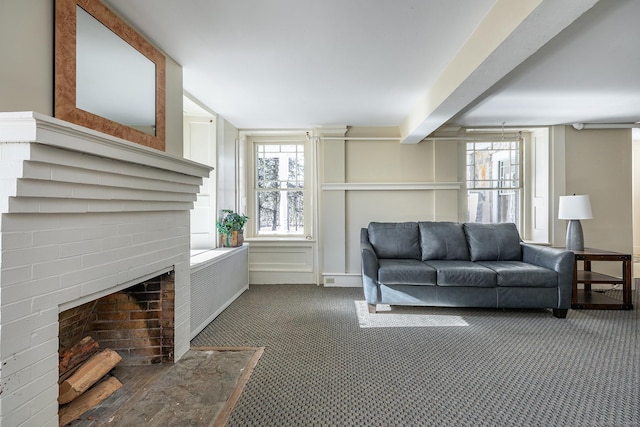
<point x="303" y="63"/>
<point x="589" y="73"/>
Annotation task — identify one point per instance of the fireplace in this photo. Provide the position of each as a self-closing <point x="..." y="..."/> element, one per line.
<point x="137" y="322"/>
<point x="85" y="216"/>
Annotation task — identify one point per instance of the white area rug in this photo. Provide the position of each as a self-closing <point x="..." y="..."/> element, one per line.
<point x="403" y="317"/>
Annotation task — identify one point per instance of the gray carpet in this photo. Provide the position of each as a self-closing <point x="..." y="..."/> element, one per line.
<point x="505" y="368"/>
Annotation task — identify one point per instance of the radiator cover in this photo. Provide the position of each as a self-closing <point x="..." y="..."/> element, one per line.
<point x="218" y="277"/>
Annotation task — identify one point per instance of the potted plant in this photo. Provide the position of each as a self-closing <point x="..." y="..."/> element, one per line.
<point x="231" y="228"/>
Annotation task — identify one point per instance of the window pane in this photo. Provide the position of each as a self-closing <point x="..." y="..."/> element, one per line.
<point x="296" y="168"/>
<point x="482" y="170"/>
<point x="267" y="172"/>
<point x="280" y="188"/>
<point x="295" y="217"/>
<point x="270" y="148"/>
<point x="515" y="158"/>
<point x="482" y="146"/>
<point x="493" y="182"/>
<point x="469" y="158"/>
<point x="268" y="210"/>
<point x="493" y="206"/>
<point x="281" y="212"/>
<point x="496" y="168"/>
<point x="470" y="173"/>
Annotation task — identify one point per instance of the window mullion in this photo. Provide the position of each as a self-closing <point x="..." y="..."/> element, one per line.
<point x="280" y="189"/>
<point x="494" y="181"/>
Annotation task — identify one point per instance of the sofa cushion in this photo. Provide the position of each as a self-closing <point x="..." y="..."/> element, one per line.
<point x="395" y="239"/>
<point x="443" y="240"/>
<point x="493" y="242"/>
<point x="405" y="272"/>
<point x="521" y="274"/>
<point x="463" y="273"/>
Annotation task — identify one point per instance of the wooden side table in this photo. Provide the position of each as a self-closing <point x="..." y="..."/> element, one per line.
<point x="585" y="298"/>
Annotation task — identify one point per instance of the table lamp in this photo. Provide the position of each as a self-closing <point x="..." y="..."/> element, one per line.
<point x="574" y="208"/>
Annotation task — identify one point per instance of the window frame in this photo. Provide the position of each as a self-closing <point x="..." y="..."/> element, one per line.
<point x="251" y="229"/>
<point x="500" y="188"/>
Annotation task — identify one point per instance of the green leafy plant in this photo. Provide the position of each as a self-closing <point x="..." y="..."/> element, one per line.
<point x="231" y="221"/>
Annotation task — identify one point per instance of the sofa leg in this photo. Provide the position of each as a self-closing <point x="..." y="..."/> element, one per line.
<point x="560" y="313"/>
<point x="372" y="308"/>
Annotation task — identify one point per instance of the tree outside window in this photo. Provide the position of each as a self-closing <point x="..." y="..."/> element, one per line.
<point x="280" y="188"/>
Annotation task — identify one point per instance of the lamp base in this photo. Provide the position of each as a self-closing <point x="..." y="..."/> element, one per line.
<point x="575" y="238"/>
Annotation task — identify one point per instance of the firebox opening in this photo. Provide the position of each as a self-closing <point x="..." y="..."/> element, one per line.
<point x="137" y="322"/>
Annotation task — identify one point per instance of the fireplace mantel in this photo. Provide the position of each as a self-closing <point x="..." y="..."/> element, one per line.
<point x="29" y="126"/>
<point x="81" y="214"/>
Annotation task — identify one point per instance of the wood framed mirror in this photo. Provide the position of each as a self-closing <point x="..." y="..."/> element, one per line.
<point x="107" y="76"/>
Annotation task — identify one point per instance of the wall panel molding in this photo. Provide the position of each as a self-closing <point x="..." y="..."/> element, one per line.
<point x="390" y="186"/>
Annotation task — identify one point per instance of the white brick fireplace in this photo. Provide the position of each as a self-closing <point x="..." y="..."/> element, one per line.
<point x="82" y="215"/>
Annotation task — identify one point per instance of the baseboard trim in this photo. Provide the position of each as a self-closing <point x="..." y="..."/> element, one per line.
<point x="341" y="280"/>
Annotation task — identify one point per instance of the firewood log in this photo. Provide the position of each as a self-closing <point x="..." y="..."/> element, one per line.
<point x="88" y="400"/>
<point x="71" y="358"/>
<point x="87" y="375"/>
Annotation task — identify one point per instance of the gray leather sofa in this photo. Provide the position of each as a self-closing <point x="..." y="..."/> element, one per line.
<point x="462" y="265"/>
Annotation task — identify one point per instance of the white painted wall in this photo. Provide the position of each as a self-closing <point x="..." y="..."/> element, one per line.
<point x="200" y="146"/>
<point x="173" y="108"/>
<point x="279" y="261"/>
<point x="636" y="190"/>
<point x="228" y="167"/>
<point x="345" y="210"/>
<point x="598" y="162"/>
<point x="26" y="74"/>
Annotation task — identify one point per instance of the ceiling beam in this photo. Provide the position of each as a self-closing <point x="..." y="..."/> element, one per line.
<point x="511" y="32"/>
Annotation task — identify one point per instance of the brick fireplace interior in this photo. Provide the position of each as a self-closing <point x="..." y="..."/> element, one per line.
<point x="137" y="322"/>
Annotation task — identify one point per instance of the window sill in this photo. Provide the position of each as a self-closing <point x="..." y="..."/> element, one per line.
<point x="268" y="239"/>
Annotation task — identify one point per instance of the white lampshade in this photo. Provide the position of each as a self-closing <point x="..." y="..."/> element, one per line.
<point x="575" y="207"/>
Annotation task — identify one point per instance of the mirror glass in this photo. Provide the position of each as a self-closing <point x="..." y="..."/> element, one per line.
<point x="113" y="80"/>
<point x="107" y="76"/>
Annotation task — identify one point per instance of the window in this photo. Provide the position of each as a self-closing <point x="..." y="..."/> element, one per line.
<point x="494" y="184"/>
<point x="280" y="191"/>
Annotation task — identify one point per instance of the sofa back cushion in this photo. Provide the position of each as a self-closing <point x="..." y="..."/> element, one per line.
<point x="493" y="242"/>
<point x="443" y="241"/>
<point x="395" y="239"/>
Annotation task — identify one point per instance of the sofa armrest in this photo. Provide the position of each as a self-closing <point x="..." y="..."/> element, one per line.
<point x="556" y="259"/>
<point x="369" y="268"/>
<point x="559" y="260"/>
